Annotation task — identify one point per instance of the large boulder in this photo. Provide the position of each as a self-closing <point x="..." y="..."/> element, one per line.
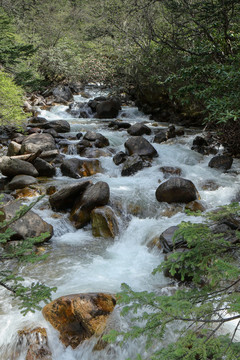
<point x="176" y="189"/>
<point x="62" y="94"/>
<point x="21" y="181"/>
<point x="35" y="142"/>
<point x="60" y="126"/>
<point x="80" y="316"/>
<point x="28" y="226"/>
<point x="98" y="139"/>
<point x="139" y="129"/>
<point x="44" y="168"/>
<point x="104" y="222"/>
<point x="138" y="145"/>
<point x="94" y="196"/>
<point x="76" y="168"/>
<point x="221" y="162"/>
<point x="64" y="198"/>
<point x="12" y="167"/>
<point x="167" y="241"/>
<point x="132" y="165"/>
<point x="108" y="109"/>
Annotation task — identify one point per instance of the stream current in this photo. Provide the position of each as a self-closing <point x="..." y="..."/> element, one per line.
<point x="81" y="263"/>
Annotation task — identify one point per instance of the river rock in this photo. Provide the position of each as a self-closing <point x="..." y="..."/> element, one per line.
<point x="35" y="142"/>
<point x="44" y="168"/>
<point x="60" y="126"/>
<point x="104" y="222"/>
<point x="37" y="120"/>
<point x="13" y="148"/>
<point x="166" y="240"/>
<point x="98" y="139"/>
<point x="176" y="189"/>
<point x="108" y="109"/>
<point x="52" y="132"/>
<point x="21" y="181"/>
<point x="62" y="93"/>
<point x="132" y="165"/>
<point x="12" y="167"/>
<point x="28" y="226"/>
<point x="195" y="205"/>
<point x="80" y="316"/>
<point x="93" y="103"/>
<point x="64" y="198"/>
<point x="117" y="125"/>
<point x="76" y="168"/>
<point x="95" y="195"/>
<point x="169" y="171"/>
<point x="94" y="153"/>
<point x="37" y="344"/>
<point x="221" y="162"/>
<point x="119" y="158"/>
<point x="138" y="145"/>
<point x="139" y="129"/>
<point x="160" y="136"/>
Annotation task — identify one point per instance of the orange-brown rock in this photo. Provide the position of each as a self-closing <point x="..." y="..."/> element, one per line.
<point x="26" y="192"/>
<point x="104" y="222"/>
<point x="37" y="344"/>
<point x="77" y="317"/>
<point x="195" y="206"/>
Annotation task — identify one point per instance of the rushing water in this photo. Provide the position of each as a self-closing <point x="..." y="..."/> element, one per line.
<point x="78" y="262"/>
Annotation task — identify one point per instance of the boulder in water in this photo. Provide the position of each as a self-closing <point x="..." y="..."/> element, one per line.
<point x="108" y="109"/>
<point x="28" y="226"/>
<point x="139" y="129"/>
<point x="35" y="142"/>
<point x="138" y="145"/>
<point x="177" y="190"/>
<point x="119" y="158"/>
<point x="12" y="167"/>
<point x="80" y="316"/>
<point x="104" y="222"/>
<point x="132" y="165"/>
<point x="62" y="94"/>
<point x="21" y="181"/>
<point x="221" y="162"/>
<point x="64" y="198"/>
<point x="44" y="168"/>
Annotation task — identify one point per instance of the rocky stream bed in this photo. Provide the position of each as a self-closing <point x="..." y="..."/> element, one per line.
<point x="114" y="182"/>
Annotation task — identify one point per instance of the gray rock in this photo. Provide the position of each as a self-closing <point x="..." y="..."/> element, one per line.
<point x="62" y="93"/>
<point x="64" y="198"/>
<point x="132" y="165"/>
<point x="28" y="226"/>
<point x="140" y="146"/>
<point x="12" y="167"/>
<point x="221" y="162"/>
<point x="44" y="168"/>
<point x="139" y="129"/>
<point x="177" y="190"/>
<point x="119" y="158"/>
<point x="20" y="181"/>
<point x="35" y="142"/>
<point x="13" y="148"/>
<point x="108" y="109"/>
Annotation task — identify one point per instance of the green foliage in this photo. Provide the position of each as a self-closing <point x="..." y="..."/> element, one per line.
<point x="28" y="297"/>
<point x="197" y="311"/>
<point x="11" y="101"/>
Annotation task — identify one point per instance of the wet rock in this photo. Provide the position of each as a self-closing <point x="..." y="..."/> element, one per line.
<point x="169" y="171"/>
<point x="117" y="125"/>
<point x="28" y="226"/>
<point x="78" y="317"/>
<point x="108" y="109"/>
<point x="13" y="148"/>
<point x="44" y="168"/>
<point x="132" y="165"/>
<point x="177" y="190"/>
<point x="221" y="162"/>
<point x="138" y="145"/>
<point x="119" y="158"/>
<point x="104" y="222"/>
<point x="21" y="181"/>
<point x="27" y="192"/>
<point x="79" y="135"/>
<point x="210" y="185"/>
<point x="12" y="167"/>
<point x="60" y="126"/>
<point x="37" y="344"/>
<point x="35" y="142"/>
<point x="64" y="198"/>
<point x="52" y="132"/>
<point x="95" y="195"/>
<point x="51" y="190"/>
<point x="195" y="205"/>
<point x="95" y="153"/>
<point x="160" y="137"/>
<point x="93" y="103"/>
<point x="38" y="120"/>
<point x="76" y="168"/>
<point x="98" y="139"/>
<point x="139" y="129"/>
<point x="62" y="94"/>
<point x="167" y="241"/>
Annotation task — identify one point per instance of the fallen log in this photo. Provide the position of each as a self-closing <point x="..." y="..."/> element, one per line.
<point x="31" y="157"/>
